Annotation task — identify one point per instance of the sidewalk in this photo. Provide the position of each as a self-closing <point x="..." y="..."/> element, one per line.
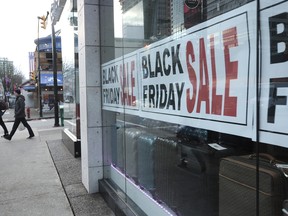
<point x="40" y="177"/>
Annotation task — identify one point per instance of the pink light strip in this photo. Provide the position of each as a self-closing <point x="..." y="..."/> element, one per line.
<point x="147" y="195"/>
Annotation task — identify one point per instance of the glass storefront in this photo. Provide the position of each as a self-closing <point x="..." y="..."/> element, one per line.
<point x="199" y="90"/>
<point x="69" y="36"/>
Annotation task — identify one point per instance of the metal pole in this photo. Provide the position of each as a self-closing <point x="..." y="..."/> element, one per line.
<point x="39" y="76"/>
<point x="4" y="83"/>
<point x="257" y="147"/>
<point x="54" y="54"/>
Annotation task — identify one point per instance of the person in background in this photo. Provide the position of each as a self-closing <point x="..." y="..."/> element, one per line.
<point x="19" y="116"/>
<point x="3" y="124"/>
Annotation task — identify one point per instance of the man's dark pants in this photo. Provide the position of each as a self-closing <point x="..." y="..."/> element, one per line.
<point x="16" y="124"/>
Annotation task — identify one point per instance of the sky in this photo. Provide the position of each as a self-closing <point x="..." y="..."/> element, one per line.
<point x="19" y="29"/>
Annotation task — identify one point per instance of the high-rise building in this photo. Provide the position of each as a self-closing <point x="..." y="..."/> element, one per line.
<point x="150" y="19"/>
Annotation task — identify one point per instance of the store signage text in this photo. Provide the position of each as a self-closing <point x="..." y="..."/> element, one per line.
<point x="203" y="75"/>
<point x="277" y="37"/>
<point x="210" y="74"/>
<point x="118" y="82"/>
<point x="273" y="103"/>
<point x="164" y="95"/>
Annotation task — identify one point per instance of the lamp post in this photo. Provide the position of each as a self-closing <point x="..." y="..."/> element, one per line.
<point x="43" y="22"/>
<point x="39" y="75"/>
<point x="4" y="80"/>
<point x="55" y="71"/>
<point x="43" y="18"/>
<point x="54" y="54"/>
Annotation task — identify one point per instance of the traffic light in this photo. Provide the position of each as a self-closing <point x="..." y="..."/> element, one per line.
<point x="43" y="21"/>
<point x="32" y="75"/>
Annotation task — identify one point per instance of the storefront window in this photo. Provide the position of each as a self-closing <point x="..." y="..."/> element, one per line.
<point x="200" y="98"/>
<point x="69" y="35"/>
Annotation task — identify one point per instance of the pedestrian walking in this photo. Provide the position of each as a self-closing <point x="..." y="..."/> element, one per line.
<point x="2" y="111"/>
<point x="20" y="116"/>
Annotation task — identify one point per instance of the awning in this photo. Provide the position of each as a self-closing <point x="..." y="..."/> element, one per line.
<point x="29" y="88"/>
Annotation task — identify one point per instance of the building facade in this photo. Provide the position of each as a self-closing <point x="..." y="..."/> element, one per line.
<point x="42" y="74"/>
<point x="185" y="114"/>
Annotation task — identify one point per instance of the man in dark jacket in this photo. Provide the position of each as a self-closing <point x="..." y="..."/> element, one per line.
<point x="19" y="116"/>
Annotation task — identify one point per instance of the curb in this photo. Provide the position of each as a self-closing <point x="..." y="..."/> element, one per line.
<point x="29" y="119"/>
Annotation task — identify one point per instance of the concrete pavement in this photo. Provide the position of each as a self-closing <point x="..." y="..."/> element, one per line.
<point x="29" y="183"/>
<point x="39" y="176"/>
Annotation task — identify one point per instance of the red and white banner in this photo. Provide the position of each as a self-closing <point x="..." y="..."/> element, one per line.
<point x="203" y="78"/>
<point x="201" y="75"/>
<point x="120" y="85"/>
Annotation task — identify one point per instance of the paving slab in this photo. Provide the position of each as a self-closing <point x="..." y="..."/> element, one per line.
<point x="29" y="182"/>
<point x="69" y="170"/>
<point x="39" y="176"/>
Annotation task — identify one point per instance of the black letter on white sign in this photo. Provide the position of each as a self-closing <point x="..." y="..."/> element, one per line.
<point x="277" y="38"/>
